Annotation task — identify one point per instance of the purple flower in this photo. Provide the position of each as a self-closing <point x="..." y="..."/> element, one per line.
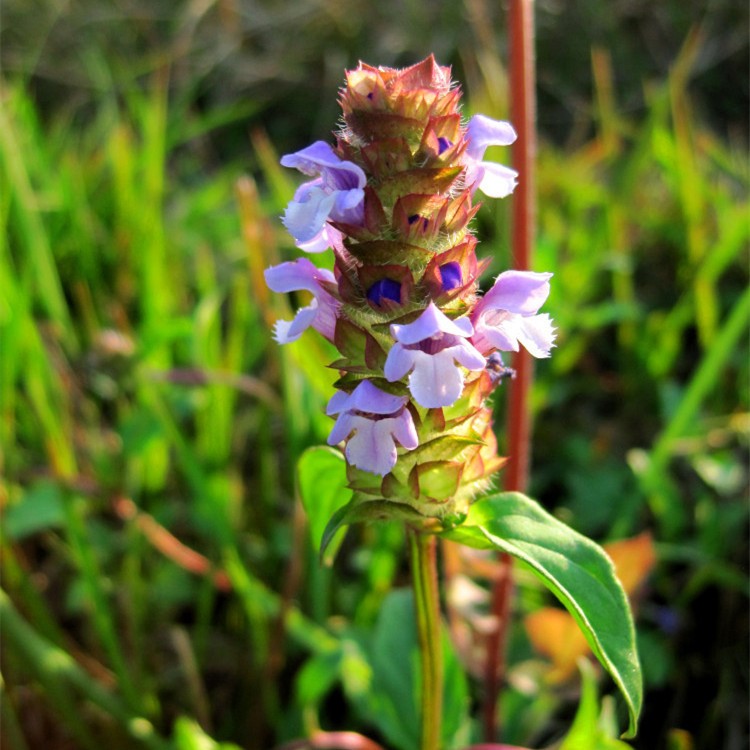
<point x="384" y="289"/>
<point x="494" y="180"/>
<point x="506" y="316"/>
<point x="430" y="349"/>
<point x="450" y="275"/>
<point x="320" y="313"/>
<point x="373" y="421"/>
<point x="337" y="193"/>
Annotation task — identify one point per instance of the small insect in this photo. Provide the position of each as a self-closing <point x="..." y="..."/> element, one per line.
<point x="497" y="369"/>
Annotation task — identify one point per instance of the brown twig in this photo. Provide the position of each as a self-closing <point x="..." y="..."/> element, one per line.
<point x="523" y="106"/>
<point x="169" y="545"/>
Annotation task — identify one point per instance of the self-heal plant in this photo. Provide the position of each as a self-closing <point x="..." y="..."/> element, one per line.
<point x="393" y="201"/>
<point x="421" y="348"/>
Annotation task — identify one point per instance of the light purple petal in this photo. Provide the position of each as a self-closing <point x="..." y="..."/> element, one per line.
<point x="325" y="238"/>
<point x="281" y="331"/>
<point x="320" y="159"/>
<point x="342" y="428"/>
<point x="483" y="131"/>
<point x="369" y="398"/>
<point x="318" y="244"/>
<point x="326" y="313"/>
<point x="371" y="447"/>
<point x="431" y="322"/>
<point x="537" y="334"/>
<point x="398" y="362"/>
<point x="404" y="430"/>
<point x="522" y="292"/>
<point x="465" y="354"/>
<point x="321" y="313"/>
<point x="370" y="438"/>
<point x="346" y="176"/>
<point x="436" y="380"/>
<point x="366" y="397"/>
<point x="346" y="200"/>
<point x="496" y="330"/>
<point x="311" y="159"/>
<point x="337" y="403"/>
<point x="286" y="331"/>
<point x="305" y="219"/>
<point x="310" y="188"/>
<point x="504" y="331"/>
<point x="336" y="194"/>
<point x="293" y="276"/>
<point x="349" y="206"/>
<point x="496" y="180"/>
<point x="304" y="318"/>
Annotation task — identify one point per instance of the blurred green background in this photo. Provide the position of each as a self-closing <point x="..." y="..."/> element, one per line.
<point x="161" y="585"/>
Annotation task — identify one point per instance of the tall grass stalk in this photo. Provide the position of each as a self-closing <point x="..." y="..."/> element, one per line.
<point x="655" y="475"/>
<point x="58" y="671"/>
<point x="515" y="478"/>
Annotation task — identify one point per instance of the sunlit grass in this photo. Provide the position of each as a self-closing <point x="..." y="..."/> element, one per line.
<point x="136" y="363"/>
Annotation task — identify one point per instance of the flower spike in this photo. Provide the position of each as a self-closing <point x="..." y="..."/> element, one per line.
<point x="419" y="347"/>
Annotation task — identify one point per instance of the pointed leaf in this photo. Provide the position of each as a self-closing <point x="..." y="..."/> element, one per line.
<point x="554" y="633"/>
<point x="586" y="732"/>
<point x="391" y="700"/>
<point x="323" y="490"/>
<point x="341" y="518"/>
<point x="575" y="569"/>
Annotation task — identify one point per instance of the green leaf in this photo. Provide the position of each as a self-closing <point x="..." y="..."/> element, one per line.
<point x="40" y="509"/>
<point x="575" y="569"/>
<point x="189" y="736"/>
<point x="317" y="677"/>
<point x="391" y="699"/>
<point x="587" y="732"/>
<point x="323" y="489"/>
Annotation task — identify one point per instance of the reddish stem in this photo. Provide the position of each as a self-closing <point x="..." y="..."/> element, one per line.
<point x="169" y="545"/>
<point x="502" y="592"/>
<point x="523" y="113"/>
<point x="333" y="741"/>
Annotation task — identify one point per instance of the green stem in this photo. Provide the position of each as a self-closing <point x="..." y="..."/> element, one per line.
<point x="422" y="548"/>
